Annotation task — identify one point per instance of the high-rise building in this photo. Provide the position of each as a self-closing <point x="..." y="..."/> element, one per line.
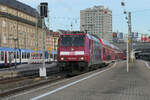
<point x="120" y="35"/>
<point x="97" y="21"/>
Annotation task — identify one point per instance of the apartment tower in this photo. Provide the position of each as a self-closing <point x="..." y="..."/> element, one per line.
<point x="97" y="21"/>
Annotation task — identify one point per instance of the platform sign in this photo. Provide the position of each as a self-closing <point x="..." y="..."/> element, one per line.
<point x="129" y="41"/>
<point x="49" y="50"/>
<point x="42" y="72"/>
<point x="35" y="51"/>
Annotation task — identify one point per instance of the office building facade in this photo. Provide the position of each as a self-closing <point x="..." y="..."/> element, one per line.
<point x="18" y="26"/>
<point x="97" y="21"/>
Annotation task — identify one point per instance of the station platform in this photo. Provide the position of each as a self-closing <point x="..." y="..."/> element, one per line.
<point x="112" y="83"/>
<point x="22" y="69"/>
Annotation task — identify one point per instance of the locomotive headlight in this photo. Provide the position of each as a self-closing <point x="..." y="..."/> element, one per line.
<point x="81" y="58"/>
<point x="62" y="58"/>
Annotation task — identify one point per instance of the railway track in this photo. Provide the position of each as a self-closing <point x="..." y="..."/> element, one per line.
<point x="36" y="82"/>
<point x="15" y="79"/>
<point x="27" y="83"/>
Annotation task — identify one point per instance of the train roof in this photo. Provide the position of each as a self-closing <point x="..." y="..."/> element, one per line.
<point x="92" y="37"/>
<point x="73" y="34"/>
<point x="7" y="49"/>
<point x="23" y="50"/>
<point x="115" y="47"/>
<point x="29" y="50"/>
<point x="88" y="35"/>
<point x="26" y="50"/>
<point x="104" y="42"/>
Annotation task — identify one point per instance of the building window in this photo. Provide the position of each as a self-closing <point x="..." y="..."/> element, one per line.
<point x="4" y="38"/>
<point x="3" y="23"/>
<point x="2" y="55"/>
<point x="3" y="8"/>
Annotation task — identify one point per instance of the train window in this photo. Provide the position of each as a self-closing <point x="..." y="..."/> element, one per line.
<point x="25" y="55"/>
<point x="2" y="55"/>
<point x="66" y="40"/>
<point x="14" y="54"/>
<point x="28" y="54"/>
<point x="17" y="54"/>
<point x="78" y="41"/>
<point x="103" y="50"/>
<point x="22" y="54"/>
<point x="72" y="40"/>
<point x="108" y="57"/>
<point x="40" y="55"/>
<point x="115" y="57"/>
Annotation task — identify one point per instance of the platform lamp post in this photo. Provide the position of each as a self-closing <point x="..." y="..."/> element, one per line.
<point x="129" y="37"/>
<point x="43" y="14"/>
<point x="15" y="41"/>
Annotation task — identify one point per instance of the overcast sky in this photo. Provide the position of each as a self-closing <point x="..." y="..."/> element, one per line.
<point x="65" y="12"/>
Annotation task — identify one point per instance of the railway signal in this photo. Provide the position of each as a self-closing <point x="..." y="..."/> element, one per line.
<point x="43" y="14"/>
<point x="43" y="9"/>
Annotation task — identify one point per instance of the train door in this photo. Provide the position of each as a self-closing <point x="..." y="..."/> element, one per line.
<point x="90" y="52"/>
<point x="5" y="58"/>
<point x="9" y="58"/>
<point x="1" y="57"/>
<point x="20" y="56"/>
<point x="104" y="55"/>
<point x="100" y="52"/>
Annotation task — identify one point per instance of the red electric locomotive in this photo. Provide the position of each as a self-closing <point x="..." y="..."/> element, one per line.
<point x="78" y="51"/>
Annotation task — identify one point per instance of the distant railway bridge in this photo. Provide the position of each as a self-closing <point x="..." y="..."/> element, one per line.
<point x="142" y="49"/>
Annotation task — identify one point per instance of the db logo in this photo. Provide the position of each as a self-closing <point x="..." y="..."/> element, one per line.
<point x="72" y="53"/>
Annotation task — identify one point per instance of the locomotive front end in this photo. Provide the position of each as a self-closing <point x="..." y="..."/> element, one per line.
<point x="71" y="50"/>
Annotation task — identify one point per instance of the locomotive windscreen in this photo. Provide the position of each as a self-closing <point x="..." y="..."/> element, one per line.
<point x="72" y="40"/>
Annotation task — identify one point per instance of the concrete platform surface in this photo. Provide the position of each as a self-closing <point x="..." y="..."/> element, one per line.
<point x="26" y="66"/>
<point x="113" y="83"/>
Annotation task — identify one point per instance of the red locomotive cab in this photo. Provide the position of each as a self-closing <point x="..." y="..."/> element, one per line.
<point x="72" y="47"/>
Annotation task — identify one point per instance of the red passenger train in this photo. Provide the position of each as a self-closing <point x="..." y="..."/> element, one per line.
<point x="81" y="51"/>
<point x="110" y="52"/>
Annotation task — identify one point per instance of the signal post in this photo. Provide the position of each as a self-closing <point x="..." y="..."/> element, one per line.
<point x="43" y="14"/>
